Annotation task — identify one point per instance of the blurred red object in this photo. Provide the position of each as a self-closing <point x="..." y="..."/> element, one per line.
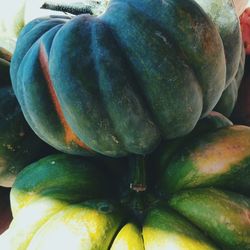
<point x="245" y="28"/>
<point x="5" y="211"/>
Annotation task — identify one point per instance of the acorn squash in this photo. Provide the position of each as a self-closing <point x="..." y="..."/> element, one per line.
<point x="119" y="82"/>
<point x="200" y="201"/>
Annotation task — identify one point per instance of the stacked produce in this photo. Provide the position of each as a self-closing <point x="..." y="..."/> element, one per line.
<point x="127" y="93"/>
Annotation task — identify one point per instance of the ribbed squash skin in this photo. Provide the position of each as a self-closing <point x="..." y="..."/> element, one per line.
<point x="229" y="97"/>
<point x="67" y="202"/>
<point x="19" y="145"/>
<point x="222" y="13"/>
<point x="118" y="83"/>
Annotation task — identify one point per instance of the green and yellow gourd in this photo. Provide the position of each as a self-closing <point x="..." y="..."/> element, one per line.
<point x="19" y="145"/>
<point x="67" y="202"/>
<point x="120" y="82"/>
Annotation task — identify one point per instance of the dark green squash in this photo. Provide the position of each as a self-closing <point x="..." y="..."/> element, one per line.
<point x="198" y="202"/>
<point x="118" y="83"/>
<point x="19" y="145"/>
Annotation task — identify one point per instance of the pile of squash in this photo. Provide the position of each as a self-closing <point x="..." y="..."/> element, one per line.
<point x="126" y="110"/>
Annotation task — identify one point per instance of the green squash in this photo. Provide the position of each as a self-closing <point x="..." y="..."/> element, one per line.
<point x="119" y="82"/>
<point x="198" y="202"/>
<point x="19" y="145"/>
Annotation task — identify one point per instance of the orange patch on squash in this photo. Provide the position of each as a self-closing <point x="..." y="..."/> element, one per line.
<point x="220" y="156"/>
<point x="70" y="136"/>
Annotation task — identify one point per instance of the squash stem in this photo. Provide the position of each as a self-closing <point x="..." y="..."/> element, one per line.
<point x="138" y="173"/>
<point x="91" y="7"/>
